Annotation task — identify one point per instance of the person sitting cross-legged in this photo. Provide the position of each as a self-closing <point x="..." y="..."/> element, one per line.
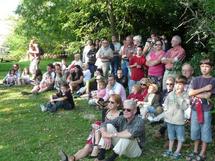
<point x="125" y="133"/>
<point x="63" y="99"/>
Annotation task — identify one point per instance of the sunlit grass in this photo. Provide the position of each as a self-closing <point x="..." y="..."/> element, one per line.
<point x="27" y="134"/>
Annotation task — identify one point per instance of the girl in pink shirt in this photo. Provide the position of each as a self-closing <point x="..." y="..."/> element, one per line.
<point x="100" y="93"/>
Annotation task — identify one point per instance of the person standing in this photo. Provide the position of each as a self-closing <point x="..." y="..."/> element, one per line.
<point x="202" y="89"/>
<point x="115" y="62"/>
<point x="104" y="56"/>
<point x="174" y="55"/>
<point x="34" y="55"/>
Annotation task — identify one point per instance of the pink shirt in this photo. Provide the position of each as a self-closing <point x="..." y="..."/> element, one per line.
<point x="178" y="53"/>
<point x="156" y="70"/>
<point x="101" y="93"/>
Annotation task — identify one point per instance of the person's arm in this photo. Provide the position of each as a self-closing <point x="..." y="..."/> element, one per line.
<point x="105" y="98"/>
<point x="194" y="92"/>
<point x="183" y="101"/>
<point x="78" y="81"/>
<point x="205" y="95"/>
<point x="59" y="99"/>
<point x="150" y="100"/>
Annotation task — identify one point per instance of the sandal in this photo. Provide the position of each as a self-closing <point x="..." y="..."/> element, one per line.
<point x="199" y="158"/>
<point x="167" y="153"/>
<point x="191" y="156"/>
<point x="176" y="156"/>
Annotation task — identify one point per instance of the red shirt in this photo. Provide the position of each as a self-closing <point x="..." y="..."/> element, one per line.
<point x="137" y="73"/>
<point x="137" y="96"/>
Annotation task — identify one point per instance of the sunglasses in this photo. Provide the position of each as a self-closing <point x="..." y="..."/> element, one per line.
<point x="111" y="102"/>
<point x="142" y="84"/>
<point x="127" y="109"/>
<point x="169" y="84"/>
<point x="157" y="44"/>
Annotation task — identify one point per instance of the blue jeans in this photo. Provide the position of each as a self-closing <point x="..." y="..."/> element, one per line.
<point x="124" y="67"/>
<point x="53" y="107"/>
<point x="115" y="65"/>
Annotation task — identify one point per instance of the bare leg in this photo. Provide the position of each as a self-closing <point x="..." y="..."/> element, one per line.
<point x="171" y="143"/>
<point x="81" y="153"/>
<point x="196" y="146"/>
<point x="96" y="148"/>
<point x="203" y="150"/>
<point x="179" y="146"/>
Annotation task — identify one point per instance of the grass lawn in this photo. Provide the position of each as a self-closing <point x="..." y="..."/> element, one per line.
<point x="27" y="134"/>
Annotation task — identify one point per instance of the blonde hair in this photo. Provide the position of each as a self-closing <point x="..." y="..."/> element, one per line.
<point x="154" y="86"/>
<point x="117" y="99"/>
<point x="77" y="56"/>
<point x="137" y="87"/>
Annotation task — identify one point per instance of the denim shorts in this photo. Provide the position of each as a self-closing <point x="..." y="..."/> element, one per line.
<point x="175" y="132"/>
<point x="203" y="131"/>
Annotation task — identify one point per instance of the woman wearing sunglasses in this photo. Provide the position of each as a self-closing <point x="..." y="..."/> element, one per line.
<point x="91" y="145"/>
<point x="153" y="61"/>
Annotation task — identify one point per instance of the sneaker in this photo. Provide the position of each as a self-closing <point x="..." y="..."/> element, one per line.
<point x="43" y="108"/>
<point x="176" y="156"/>
<point x="167" y="153"/>
<point x="63" y="156"/>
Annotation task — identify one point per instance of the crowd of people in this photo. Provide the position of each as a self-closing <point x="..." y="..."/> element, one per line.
<point x="129" y="84"/>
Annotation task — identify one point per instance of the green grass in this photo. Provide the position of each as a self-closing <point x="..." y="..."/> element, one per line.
<point x="27" y="134"/>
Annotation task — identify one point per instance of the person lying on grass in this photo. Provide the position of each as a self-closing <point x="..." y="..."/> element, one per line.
<point x="62" y="99"/>
<point x="92" y="142"/>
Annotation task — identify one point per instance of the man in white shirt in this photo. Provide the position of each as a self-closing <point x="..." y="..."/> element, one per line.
<point x="104" y="56"/>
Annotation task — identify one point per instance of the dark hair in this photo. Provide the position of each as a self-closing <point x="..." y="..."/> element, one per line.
<point x="159" y="41"/>
<point x="100" y="71"/>
<point x="38" y="72"/>
<point x="57" y="65"/>
<point x="140" y="46"/>
<point x="66" y="85"/>
<point x="50" y="65"/>
<point x="181" y="79"/>
<point x="207" y="61"/>
<point x="111" y="75"/>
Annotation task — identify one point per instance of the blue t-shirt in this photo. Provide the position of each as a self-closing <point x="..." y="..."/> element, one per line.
<point x="200" y="82"/>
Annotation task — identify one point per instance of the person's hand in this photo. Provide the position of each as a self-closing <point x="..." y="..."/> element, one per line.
<point x="95" y="126"/>
<point x="139" y="66"/>
<point x="208" y="87"/>
<point x="107" y="143"/>
<point x="106" y="134"/>
<point x="124" y="56"/>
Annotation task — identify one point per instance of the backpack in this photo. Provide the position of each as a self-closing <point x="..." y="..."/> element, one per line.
<point x="41" y="51"/>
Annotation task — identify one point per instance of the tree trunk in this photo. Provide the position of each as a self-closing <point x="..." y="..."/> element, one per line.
<point x="111" y="17"/>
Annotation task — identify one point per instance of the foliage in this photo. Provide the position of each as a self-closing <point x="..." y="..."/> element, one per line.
<point x="57" y="22"/>
<point x="198" y="19"/>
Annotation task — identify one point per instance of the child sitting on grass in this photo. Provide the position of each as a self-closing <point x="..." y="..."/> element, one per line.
<point x="150" y="103"/>
<point x="25" y="77"/>
<point x="136" y="93"/>
<point x="62" y="99"/>
<point x="10" y="78"/>
<point x="175" y="104"/>
<point x="98" y="94"/>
